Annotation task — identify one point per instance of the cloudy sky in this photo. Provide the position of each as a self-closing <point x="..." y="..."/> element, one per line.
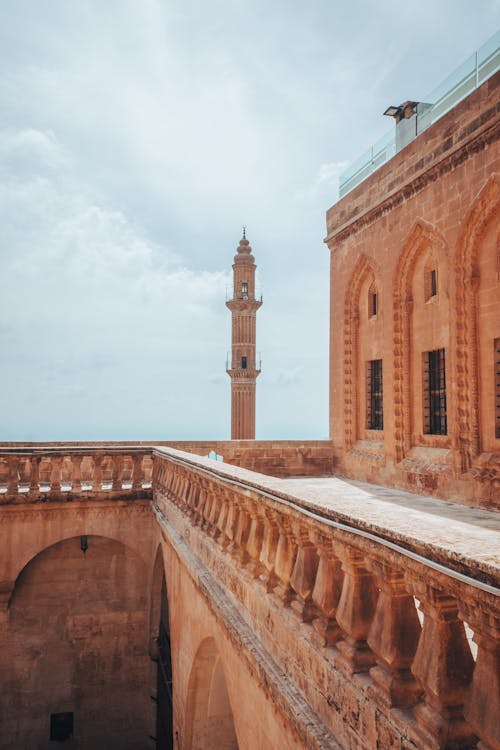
<point x="136" y="137"/>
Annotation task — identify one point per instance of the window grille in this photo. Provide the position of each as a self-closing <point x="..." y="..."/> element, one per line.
<point x="244" y="287"/>
<point x="374" y="395"/>
<point x="497" y="388"/>
<point x="434" y="391"/>
<point x="243" y="363"/>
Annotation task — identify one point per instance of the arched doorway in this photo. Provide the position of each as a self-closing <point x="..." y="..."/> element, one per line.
<point x="209" y="720"/>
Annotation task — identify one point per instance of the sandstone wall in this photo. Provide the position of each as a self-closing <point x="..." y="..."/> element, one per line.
<point x="435" y="205"/>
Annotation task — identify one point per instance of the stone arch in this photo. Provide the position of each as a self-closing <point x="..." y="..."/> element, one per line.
<point x="75" y="642"/>
<point x="484" y="208"/>
<point x="364" y="268"/>
<point x="49" y="523"/>
<point x="421" y="237"/>
<point x="30" y="559"/>
<point x="209" y="717"/>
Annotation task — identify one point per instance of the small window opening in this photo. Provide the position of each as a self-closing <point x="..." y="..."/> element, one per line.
<point x="434" y="393"/>
<point x="434" y="285"/>
<point x="497" y="388"/>
<point x="372" y="301"/>
<point x="374" y="395"/>
<point x="61" y="726"/>
<point x="243" y="363"/>
<point x="244" y="287"/>
<point x="430" y="283"/>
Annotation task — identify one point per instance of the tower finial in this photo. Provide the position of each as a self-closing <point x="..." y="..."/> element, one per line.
<point x="244" y="232"/>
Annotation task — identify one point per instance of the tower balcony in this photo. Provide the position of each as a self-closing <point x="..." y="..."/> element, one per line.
<point x="243" y="303"/>
<point x="244" y="367"/>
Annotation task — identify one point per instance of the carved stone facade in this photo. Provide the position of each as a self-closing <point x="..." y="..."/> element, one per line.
<point x="158" y="594"/>
<point x="415" y="295"/>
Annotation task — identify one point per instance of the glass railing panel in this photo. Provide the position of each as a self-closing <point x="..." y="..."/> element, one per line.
<point x="488" y="58"/>
<point x="471" y="73"/>
<point x="451" y="91"/>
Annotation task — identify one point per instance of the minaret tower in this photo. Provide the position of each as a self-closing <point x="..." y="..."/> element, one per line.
<point x="243" y="366"/>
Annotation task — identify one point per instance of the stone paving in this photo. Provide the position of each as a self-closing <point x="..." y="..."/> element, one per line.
<point x="459" y="531"/>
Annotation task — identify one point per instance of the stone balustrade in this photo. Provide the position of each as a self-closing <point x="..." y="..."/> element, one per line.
<point x="374" y="609"/>
<point x="65" y="473"/>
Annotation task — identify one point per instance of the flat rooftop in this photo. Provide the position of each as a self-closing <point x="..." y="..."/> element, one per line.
<point x="470" y="535"/>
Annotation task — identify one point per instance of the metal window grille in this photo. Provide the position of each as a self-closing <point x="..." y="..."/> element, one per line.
<point x="244" y="287"/>
<point x="374" y="393"/>
<point x="497" y="388"/>
<point x="435" y="421"/>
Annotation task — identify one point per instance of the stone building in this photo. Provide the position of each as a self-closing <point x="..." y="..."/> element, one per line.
<point x="415" y="311"/>
<point x="295" y="595"/>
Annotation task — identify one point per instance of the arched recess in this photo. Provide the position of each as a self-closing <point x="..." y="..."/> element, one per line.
<point x="75" y="644"/>
<point x="47" y="524"/>
<point x="467" y="278"/>
<point x="209" y="717"/>
<point x="365" y="270"/>
<point x="422" y="238"/>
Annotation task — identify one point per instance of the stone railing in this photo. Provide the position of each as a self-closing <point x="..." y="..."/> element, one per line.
<point x="70" y="472"/>
<point x="416" y="637"/>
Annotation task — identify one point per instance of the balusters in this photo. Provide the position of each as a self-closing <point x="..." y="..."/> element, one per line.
<point x="206" y="512"/>
<point x="221" y="522"/>
<point x="76" y="474"/>
<point x="35" y="475"/>
<point x="97" y="474"/>
<point x="327" y="591"/>
<point x="55" y="474"/>
<point x="443" y="665"/>
<point x="285" y="560"/>
<point x="303" y="575"/>
<point x="255" y="540"/>
<point x="202" y="498"/>
<point x="482" y="706"/>
<point x="12" y="477"/>
<point x="268" y="550"/>
<point x="231" y="520"/>
<point x="116" y="474"/>
<point x="137" y="471"/>
<point x="215" y="508"/>
<point x="242" y="531"/>
<point x="355" y="610"/>
<point x="393" y="637"/>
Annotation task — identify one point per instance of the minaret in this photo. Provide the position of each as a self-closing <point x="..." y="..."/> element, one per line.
<point x="243" y="369"/>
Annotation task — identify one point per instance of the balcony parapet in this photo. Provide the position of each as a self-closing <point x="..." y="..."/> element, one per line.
<point x="50" y="473"/>
<point x="421" y="625"/>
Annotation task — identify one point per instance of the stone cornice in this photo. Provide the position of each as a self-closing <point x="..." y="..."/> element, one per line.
<point x="398" y="196"/>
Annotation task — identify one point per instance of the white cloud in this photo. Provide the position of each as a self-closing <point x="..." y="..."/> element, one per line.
<point x="136" y="140"/>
